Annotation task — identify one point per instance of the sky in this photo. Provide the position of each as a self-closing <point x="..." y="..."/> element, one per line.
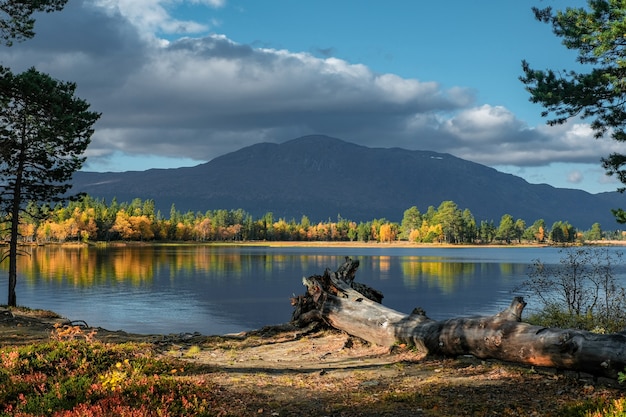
<point x="180" y="82"/>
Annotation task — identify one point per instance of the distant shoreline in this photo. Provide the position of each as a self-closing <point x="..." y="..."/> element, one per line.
<point x="405" y="244"/>
<point x="341" y="244"/>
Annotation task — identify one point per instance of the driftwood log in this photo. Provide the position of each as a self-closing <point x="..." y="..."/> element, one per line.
<point x="356" y="309"/>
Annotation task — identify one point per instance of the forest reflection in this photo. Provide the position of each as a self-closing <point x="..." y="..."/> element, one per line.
<point x="436" y="272"/>
<point x="219" y="289"/>
<point x="138" y="265"/>
<point x="440" y="273"/>
<point x="83" y="266"/>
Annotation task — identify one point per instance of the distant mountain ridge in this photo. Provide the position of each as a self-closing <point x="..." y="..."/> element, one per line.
<point x="323" y="178"/>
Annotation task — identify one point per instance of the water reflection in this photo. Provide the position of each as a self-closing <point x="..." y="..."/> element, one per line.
<point x="220" y="289"/>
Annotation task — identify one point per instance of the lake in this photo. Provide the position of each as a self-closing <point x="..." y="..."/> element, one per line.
<point x="224" y="289"/>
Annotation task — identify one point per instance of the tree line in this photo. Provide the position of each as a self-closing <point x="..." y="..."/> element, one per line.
<point x="90" y="219"/>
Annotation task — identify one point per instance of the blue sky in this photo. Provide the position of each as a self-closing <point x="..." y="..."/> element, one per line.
<point x="182" y="82"/>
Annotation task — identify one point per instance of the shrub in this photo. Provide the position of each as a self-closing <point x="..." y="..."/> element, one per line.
<point x="581" y="292"/>
<point x="80" y="378"/>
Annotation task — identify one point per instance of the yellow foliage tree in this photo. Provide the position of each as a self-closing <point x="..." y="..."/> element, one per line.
<point x="386" y="233"/>
<point x="202" y="230"/>
<point x="414" y="235"/>
<point x="142" y="227"/>
<point x="122" y="225"/>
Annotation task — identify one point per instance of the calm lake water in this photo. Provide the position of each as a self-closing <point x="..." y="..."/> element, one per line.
<point x="223" y="289"/>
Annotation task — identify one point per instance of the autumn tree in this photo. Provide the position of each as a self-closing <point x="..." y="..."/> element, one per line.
<point x="202" y="229"/>
<point x="598" y="91"/>
<point x="537" y="231"/>
<point x="430" y="233"/>
<point x="387" y="233"/>
<point x="44" y="131"/>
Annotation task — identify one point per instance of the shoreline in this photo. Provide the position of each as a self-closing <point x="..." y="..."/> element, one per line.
<point x="336" y="244"/>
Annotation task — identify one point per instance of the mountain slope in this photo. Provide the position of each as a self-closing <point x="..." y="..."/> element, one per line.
<point x="324" y="177"/>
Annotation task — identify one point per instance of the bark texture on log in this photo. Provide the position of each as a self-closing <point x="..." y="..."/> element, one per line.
<point x="354" y="308"/>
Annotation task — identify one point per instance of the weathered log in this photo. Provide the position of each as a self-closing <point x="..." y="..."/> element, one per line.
<point x="332" y="298"/>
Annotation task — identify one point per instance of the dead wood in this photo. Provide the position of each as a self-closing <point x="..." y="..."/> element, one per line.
<point x="336" y="299"/>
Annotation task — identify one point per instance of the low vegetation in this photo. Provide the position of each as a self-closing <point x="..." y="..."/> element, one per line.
<point x="86" y="378"/>
<point x="581" y="292"/>
<point x="276" y="373"/>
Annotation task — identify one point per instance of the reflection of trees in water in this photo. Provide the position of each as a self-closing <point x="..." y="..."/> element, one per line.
<point x="205" y="259"/>
<point x="508" y="270"/>
<point x="439" y="272"/>
<point x="137" y="265"/>
<point x="84" y="266"/>
<point x="384" y="264"/>
<point x="316" y="264"/>
<point x="435" y="272"/>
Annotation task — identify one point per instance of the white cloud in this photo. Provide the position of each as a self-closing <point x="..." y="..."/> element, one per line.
<point x="575" y="177"/>
<point x="213" y="3"/>
<point x="152" y="16"/>
<point x="197" y="98"/>
<point x="484" y="124"/>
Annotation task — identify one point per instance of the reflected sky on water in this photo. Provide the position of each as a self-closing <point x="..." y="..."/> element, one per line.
<point x="224" y="289"/>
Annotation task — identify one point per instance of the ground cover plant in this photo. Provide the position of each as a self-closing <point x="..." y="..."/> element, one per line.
<point x="74" y="375"/>
<point x="72" y="371"/>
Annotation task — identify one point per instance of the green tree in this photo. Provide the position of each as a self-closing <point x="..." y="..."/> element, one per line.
<point x="266" y="226"/>
<point x="247" y="231"/>
<point x="506" y="229"/>
<point x="520" y="227"/>
<point x="562" y="232"/>
<point x="364" y="231"/>
<point x="487" y="231"/>
<point x="430" y="213"/>
<point x="305" y="223"/>
<point x="597" y="33"/>
<point x="595" y="233"/>
<point x="44" y="131"/>
<point x="106" y="219"/>
<point x="412" y="220"/>
<point x="450" y="217"/>
<point x="470" y="231"/>
<point x="17" y="21"/>
<point x="352" y="232"/>
<point x="148" y="209"/>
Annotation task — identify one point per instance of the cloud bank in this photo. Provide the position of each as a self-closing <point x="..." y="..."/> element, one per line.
<point x="200" y="96"/>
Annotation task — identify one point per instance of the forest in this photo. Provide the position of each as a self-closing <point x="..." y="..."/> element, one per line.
<point x="90" y="219"/>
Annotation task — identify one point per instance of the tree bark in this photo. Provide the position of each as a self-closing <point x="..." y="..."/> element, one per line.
<point x="334" y="298"/>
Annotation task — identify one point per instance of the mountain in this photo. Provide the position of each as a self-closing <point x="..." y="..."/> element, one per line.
<point x="323" y="177"/>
